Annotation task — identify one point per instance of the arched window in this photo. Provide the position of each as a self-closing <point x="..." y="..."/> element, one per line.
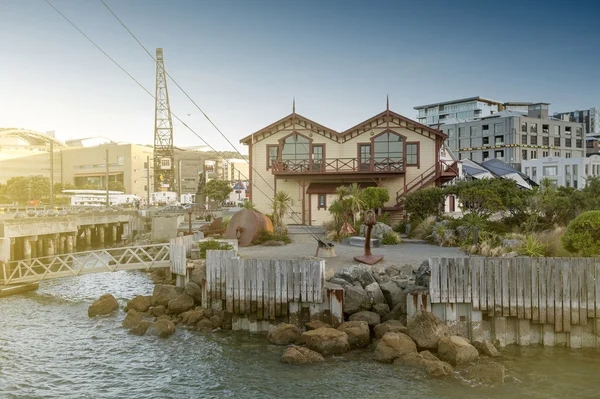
<point x="388" y="146"/>
<point x="295" y="147"/>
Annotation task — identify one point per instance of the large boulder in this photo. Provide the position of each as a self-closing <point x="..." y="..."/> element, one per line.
<point x="194" y="317"/>
<point x="371" y="318"/>
<point x="423" y="274"/>
<point x="358" y="273"/>
<point x="392" y="346"/>
<point x="284" y="334"/>
<point x="426" y="329"/>
<point x="314" y="324"/>
<point x="381" y="309"/>
<point x="355" y="300"/>
<point x="456" y="350"/>
<point x="106" y="304"/>
<point x="326" y="341"/>
<point x="132" y="319"/>
<point x="394" y="326"/>
<point x="487" y="373"/>
<point x="192" y="289"/>
<point x="301" y="355"/>
<point x="181" y="303"/>
<point x="397" y="313"/>
<point x="377" y="231"/>
<point x="163" y="293"/>
<point x="158" y="310"/>
<point x="392" y="293"/>
<point x="198" y="273"/>
<point x="141" y="328"/>
<point x="204" y="325"/>
<point x="161" y="328"/>
<point x="358" y="333"/>
<point x="427" y="361"/>
<point x="140" y="303"/>
<point x="486" y="348"/>
<point x="374" y="293"/>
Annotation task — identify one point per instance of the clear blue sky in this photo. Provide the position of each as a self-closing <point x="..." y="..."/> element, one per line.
<point x="244" y="61"/>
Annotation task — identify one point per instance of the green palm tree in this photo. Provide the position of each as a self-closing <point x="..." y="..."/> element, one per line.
<point x="248" y="205"/>
<point x="281" y="202"/>
<point x="353" y="201"/>
<point x="338" y="211"/>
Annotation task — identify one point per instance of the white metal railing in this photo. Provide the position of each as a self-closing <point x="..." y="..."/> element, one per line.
<point x="141" y="257"/>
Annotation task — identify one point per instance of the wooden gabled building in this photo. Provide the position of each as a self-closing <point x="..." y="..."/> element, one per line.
<point x="309" y="161"/>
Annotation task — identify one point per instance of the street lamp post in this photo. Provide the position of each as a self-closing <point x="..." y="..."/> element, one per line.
<point x="107" y="196"/>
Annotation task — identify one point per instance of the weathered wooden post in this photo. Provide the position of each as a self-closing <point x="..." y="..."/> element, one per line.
<point x="368" y="257"/>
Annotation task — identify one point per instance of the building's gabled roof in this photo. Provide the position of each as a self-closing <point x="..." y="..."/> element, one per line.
<point x="373" y="122"/>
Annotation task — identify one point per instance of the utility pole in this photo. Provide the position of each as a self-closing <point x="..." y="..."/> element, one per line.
<point x="107" y="196"/>
<point x="51" y="175"/>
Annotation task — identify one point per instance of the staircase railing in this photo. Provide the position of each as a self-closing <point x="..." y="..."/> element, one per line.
<point x="426" y="177"/>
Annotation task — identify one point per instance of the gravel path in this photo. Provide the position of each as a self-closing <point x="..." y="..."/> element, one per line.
<point x="399" y="255"/>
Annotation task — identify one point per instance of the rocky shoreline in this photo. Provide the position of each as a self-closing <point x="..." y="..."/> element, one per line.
<point x="374" y="308"/>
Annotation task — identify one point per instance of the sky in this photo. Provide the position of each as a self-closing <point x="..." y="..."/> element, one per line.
<point x="243" y="62"/>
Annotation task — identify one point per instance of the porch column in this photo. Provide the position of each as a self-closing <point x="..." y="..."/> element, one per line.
<point x="26" y="248"/>
<point x="101" y="234"/>
<point x="88" y="236"/>
<point x="69" y="243"/>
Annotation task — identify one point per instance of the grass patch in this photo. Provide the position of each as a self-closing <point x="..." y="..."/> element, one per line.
<point x="264" y="236"/>
<point x="212" y="245"/>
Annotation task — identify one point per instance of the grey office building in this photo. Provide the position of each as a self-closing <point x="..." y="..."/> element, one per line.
<point x="589" y="118"/>
<point x="514" y="136"/>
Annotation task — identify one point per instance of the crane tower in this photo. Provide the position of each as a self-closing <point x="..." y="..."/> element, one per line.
<point x="164" y="162"/>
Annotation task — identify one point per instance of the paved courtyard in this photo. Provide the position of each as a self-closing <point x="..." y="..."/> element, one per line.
<point x="304" y="246"/>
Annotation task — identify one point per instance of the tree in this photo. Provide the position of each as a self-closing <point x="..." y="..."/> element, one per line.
<point x="353" y="201"/>
<point x="23" y="188"/>
<point x="424" y="203"/>
<point x="281" y="202"/>
<point x="374" y="197"/>
<point x="217" y="190"/>
<point x="116" y="186"/>
<point x="583" y="234"/>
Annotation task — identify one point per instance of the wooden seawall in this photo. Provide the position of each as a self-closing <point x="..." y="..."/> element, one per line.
<point x="547" y="301"/>
<point x="259" y="292"/>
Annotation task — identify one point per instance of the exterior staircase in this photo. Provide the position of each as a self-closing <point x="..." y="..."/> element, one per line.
<point x="439" y="173"/>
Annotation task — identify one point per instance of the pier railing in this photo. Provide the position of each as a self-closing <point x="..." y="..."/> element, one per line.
<point x="140" y="257"/>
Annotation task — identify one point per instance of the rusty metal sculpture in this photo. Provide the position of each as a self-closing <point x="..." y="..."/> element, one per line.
<point x="245" y="225"/>
<point x="368" y="258"/>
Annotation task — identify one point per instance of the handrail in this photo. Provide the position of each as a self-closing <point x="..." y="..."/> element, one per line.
<point x="434" y="170"/>
<point x="338" y="165"/>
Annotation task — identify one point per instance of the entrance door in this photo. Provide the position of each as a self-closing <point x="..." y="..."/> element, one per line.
<point x="364" y="157"/>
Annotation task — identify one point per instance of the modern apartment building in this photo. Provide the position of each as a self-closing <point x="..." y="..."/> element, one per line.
<point x="309" y="161"/>
<point x="563" y="172"/>
<point x="514" y="136"/>
<point x="464" y="108"/>
<point x="590" y="118"/>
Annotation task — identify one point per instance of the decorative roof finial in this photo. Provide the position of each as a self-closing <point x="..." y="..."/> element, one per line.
<point x="387" y="102"/>
<point x="294" y="106"/>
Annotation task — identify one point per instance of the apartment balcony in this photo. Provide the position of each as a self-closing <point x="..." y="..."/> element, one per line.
<point x="337" y="167"/>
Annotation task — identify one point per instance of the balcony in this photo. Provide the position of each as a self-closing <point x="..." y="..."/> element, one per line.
<point x="337" y="166"/>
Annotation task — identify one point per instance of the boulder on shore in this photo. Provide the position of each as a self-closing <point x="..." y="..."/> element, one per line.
<point x="140" y="303"/>
<point x="132" y="319"/>
<point x="181" y="303"/>
<point x="434" y="366"/>
<point x="301" y="355"/>
<point x="487" y="373"/>
<point x="381" y="309"/>
<point x="106" y="304"/>
<point x="313" y="325"/>
<point x="192" y="289"/>
<point x="326" y="341"/>
<point x="426" y="330"/>
<point x="204" y="325"/>
<point x="371" y="318"/>
<point x="392" y="346"/>
<point x="456" y="350"/>
<point x="141" y="328"/>
<point x="355" y="299"/>
<point x="389" y="326"/>
<point x="163" y="293"/>
<point x="358" y="333"/>
<point x="161" y="328"/>
<point x="486" y="348"/>
<point x="283" y="334"/>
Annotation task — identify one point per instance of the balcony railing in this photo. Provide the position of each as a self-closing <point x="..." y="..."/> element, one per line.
<point x="337" y="166"/>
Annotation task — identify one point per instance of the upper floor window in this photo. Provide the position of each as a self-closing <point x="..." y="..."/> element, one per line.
<point x="533" y="128"/>
<point x="272" y="154"/>
<point x="295" y="147"/>
<point x="412" y="154"/>
<point x="388" y="145"/>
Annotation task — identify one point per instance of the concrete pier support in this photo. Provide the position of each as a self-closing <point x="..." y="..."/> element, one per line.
<point x="114" y="237"/>
<point x="5" y="256"/>
<point x="40" y="246"/>
<point x="26" y="248"/>
<point x="101" y="234"/>
<point x="34" y="251"/>
<point x="62" y="243"/>
<point x="49" y="247"/>
<point x="69" y="243"/>
<point x="88" y="237"/>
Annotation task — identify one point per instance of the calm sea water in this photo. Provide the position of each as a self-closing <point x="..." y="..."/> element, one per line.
<point x="49" y="348"/>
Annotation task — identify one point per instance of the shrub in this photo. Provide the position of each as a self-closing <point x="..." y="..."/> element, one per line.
<point x="264" y="236"/>
<point x="329" y="225"/>
<point x="400" y="227"/>
<point x="423" y="203"/>
<point x="384" y="218"/>
<point x="212" y="244"/>
<point x="583" y="234"/>
<point x="532" y="247"/>
<point x="552" y="240"/>
<point x="225" y="222"/>
<point x="424" y="229"/>
<point x="391" y="238"/>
